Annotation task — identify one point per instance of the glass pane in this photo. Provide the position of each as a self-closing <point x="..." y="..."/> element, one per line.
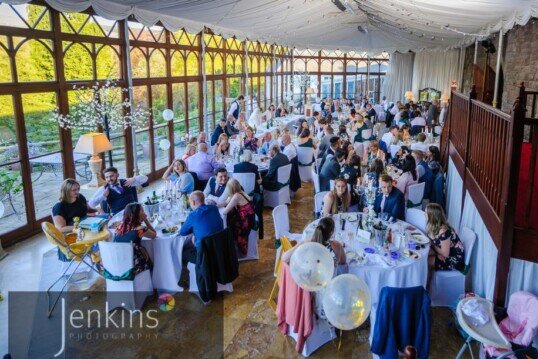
<point x="12" y="197"/>
<point x="192" y="89"/>
<point x="138" y="63"/>
<point x="179" y="135"/>
<point x="178" y="64"/>
<point x="192" y="64"/>
<point x="209" y="98"/>
<point x="34" y="61"/>
<point x="234" y="87"/>
<point x="140" y="94"/>
<point x="143" y="152"/>
<point x="158" y="97"/>
<point x="161" y="152"/>
<point x="5" y="68"/>
<point x="178" y="100"/>
<point x="118" y="155"/>
<point x="78" y="62"/>
<point x="218" y="96"/>
<point x="108" y="64"/>
<point x="46" y="176"/>
<point x="42" y="133"/>
<point x="9" y="149"/>
<point x="157" y="64"/>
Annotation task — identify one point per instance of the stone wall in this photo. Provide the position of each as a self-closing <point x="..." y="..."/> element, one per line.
<point x="519" y="64"/>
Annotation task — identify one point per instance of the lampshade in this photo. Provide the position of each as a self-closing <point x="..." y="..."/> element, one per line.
<point x="309" y="91"/>
<point x="93" y="143"/>
<point x="408" y="95"/>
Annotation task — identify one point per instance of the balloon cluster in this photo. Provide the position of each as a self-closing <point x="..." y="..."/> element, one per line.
<point x="346" y="298"/>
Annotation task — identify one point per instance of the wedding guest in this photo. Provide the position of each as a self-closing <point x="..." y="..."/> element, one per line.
<point x="222" y="146"/>
<point x="133" y="227"/>
<point x="390" y="200"/>
<point x="424" y="173"/>
<point x="375" y="170"/>
<point x="278" y="159"/>
<point x="352" y="169"/>
<point x="240" y="214"/>
<point x="339" y="199"/>
<point x="215" y="189"/>
<point x="433" y="154"/>
<point x="373" y="153"/>
<point x="325" y="142"/>
<point x="245" y="166"/>
<point x="289" y="148"/>
<point x="72" y="204"/>
<point x="399" y="159"/>
<point x="116" y="193"/>
<point x="178" y="174"/>
<point x="305" y="139"/>
<point x="250" y="142"/>
<point x="202" y="163"/>
<point x="202" y="138"/>
<point x="270" y="113"/>
<point x="189" y="151"/>
<point x="235" y="109"/>
<point x="438" y="187"/>
<point x="219" y="130"/>
<point x="331" y="169"/>
<point x="303" y="125"/>
<point x="281" y="111"/>
<point x="447" y="251"/>
<point x="265" y="143"/>
<point x="342" y="133"/>
<point x="420" y="145"/>
<point x="408" y="177"/>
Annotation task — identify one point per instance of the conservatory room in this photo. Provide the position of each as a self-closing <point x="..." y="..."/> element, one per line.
<point x="269" y="179"/>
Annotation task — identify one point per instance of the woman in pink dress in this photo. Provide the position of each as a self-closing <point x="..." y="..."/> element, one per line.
<point x="408" y="177"/>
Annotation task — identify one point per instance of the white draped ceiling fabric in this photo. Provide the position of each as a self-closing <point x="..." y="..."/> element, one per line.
<point x="396" y="25"/>
<point x="399" y="76"/>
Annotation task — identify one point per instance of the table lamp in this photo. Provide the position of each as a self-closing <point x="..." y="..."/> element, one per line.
<point x="94" y="143"/>
<point x="409" y="95"/>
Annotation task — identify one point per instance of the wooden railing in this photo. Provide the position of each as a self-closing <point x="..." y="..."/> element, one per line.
<point x="485" y="146"/>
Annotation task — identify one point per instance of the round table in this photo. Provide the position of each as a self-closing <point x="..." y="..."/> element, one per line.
<point x="378" y="270"/>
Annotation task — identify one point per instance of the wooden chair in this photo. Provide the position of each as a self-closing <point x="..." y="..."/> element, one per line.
<point x="286" y="245"/>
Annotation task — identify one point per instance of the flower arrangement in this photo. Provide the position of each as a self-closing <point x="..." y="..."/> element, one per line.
<point x="102" y="105"/>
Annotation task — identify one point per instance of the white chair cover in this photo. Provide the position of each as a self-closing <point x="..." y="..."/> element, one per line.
<point x="315" y="179"/>
<point x="193" y="286"/>
<point x="359" y="148"/>
<point x="394" y="150"/>
<point x="281" y="222"/>
<point x="247" y="181"/>
<point x="416" y="217"/>
<point x="322" y="332"/>
<point x="318" y="201"/>
<point x="305" y="156"/>
<point x="437" y="130"/>
<point x="447" y="286"/>
<point x="282" y="196"/>
<point x="366" y="134"/>
<point x="117" y="258"/>
<point x="416" y="193"/>
<point x="252" y="252"/>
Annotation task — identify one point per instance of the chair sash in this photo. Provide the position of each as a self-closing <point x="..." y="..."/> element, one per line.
<point x="128" y="275"/>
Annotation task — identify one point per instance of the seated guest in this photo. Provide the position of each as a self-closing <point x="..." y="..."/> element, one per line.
<point x="289" y="148"/>
<point x="447" y="251"/>
<point x="256" y="118"/>
<point x="408" y="177"/>
<point x="433" y="154"/>
<point x="203" y="221"/>
<point x="240" y="214"/>
<point x="131" y="230"/>
<point x="331" y="169"/>
<point x="219" y="130"/>
<point x="116" y="193"/>
<point x="223" y="146"/>
<point x="325" y="142"/>
<point x="323" y="234"/>
<point x="370" y="111"/>
<point x="193" y="140"/>
<point x="303" y="125"/>
<point x="420" y="145"/>
<point x="359" y="126"/>
<point x="391" y="200"/>
<point x="375" y="170"/>
<point x="373" y="152"/>
<point x="437" y="195"/>
<point x="72" y="204"/>
<point x="245" y="166"/>
<point x="202" y="138"/>
<point x="342" y="133"/>
<point x="348" y="149"/>
<point x="338" y="200"/>
<point x="241" y="124"/>
<point x="352" y="169"/>
<point x="390" y="137"/>
<point x="266" y="143"/>
<point x="215" y="189"/>
<point x="202" y="163"/>
<point x="399" y="159"/>
<point x="278" y="159"/>
<point x="418" y="120"/>
<point x="406" y="136"/>
<point x="189" y="151"/>
<point x="305" y="139"/>
<point x="281" y="111"/>
<point x="270" y="113"/>
<point x="320" y="128"/>
<point x="178" y="174"/>
<point x="424" y="172"/>
<point x="250" y="142"/>
<point x="316" y="116"/>
<point x="335" y="144"/>
<point x="404" y="119"/>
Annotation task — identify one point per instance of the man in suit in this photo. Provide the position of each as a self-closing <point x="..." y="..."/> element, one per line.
<point x="245" y="166"/>
<point x="331" y="169"/>
<point x="215" y="190"/>
<point x="316" y="116"/>
<point x="424" y="172"/>
<point x="278" y="159"/>
<point x="391" y="200"/>
<point x="325" y="142"/>
<point x="219" y="130"/>
<point x="370" y="112"/>
<point x="433" y="113"/>
<point x="336" y="143"/>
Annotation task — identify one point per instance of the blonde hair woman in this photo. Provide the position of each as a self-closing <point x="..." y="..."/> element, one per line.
<point x="240" y="214"/>
<point x="72" y="204"/>
<point x="189" y="151"/>
<point x="338" y="200"/>
<point x="223" y="145"/>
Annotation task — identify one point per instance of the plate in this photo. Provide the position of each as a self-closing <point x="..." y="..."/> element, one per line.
<point x="409" y="253"/>
<point x="353" y="257"/>
<point x="420" y="239"/>
<point x="352" y="218"/>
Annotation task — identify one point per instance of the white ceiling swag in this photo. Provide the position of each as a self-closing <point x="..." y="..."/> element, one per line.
<point x="372" y="26"/>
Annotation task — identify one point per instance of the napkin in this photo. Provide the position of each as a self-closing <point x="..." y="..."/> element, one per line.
<point x="476" y="310"/>
<point x="376" y="259"/>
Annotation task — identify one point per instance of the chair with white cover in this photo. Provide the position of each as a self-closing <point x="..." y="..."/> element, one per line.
<point x="359" y="148"/>
<point x="315" y="179"/>
<point x="447" y="286"/>
<point x="366" y="134"/>
<point x="437" y="130"/>
<point x="252" y="252"/>
<point x="318" y="202"/>
<point x="247" y="181"/>
<point x="416" y="217"/>
<point x="394" y="150"/>
<point x="193" y="286"/>
<point x="117" y="259"/>
<point x="416" y="194"/>
<point x="322" y="333"/>
<point x="282" y="196"/>
<point x="281" y="222"/>
<point x="305" y="156"/>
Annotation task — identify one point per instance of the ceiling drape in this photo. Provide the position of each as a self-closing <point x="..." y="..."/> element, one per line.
<point x="399" y="76"/>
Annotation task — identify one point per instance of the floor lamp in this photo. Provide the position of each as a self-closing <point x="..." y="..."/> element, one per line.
<point x="94" y="143"/>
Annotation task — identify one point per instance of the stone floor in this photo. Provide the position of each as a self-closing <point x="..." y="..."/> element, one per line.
<point x="248" y="325"/>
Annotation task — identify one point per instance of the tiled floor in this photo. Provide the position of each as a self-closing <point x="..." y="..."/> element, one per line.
<point x="249" y="327"/>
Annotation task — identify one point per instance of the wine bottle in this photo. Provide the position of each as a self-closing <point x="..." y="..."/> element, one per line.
<point x="154" y="198"/>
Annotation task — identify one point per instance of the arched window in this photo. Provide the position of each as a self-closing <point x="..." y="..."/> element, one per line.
<point x="34" y="62"/>
<point x="139" y="63"/>
<point x="178" y="64"/>
<point x="157" y="64"/>
<point x="108" y="63"/>
<point x="192" y="64"/>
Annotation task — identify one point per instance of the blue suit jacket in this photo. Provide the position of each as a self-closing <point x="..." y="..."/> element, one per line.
<point x="394" y="204"/>
<point x="215" y="135"/>
<point x="330" y="171"/>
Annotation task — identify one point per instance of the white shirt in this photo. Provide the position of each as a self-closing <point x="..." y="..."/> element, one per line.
<point x="388" y="138"/>
<point x="418" y="121"/>
<point x="99" y="196"/>
<point x="290" y="151"/>
<point x="394" y="110"/>
<point x="223" y="197"/>
<point x="420" y="146"/>
<point x="232" y="108"/>
<point x="397" y="118"/>
<point x="255" y="119"/>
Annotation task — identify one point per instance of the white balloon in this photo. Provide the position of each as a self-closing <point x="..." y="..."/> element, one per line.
<point x="168" y="114"/>
<point x="311" y="266"/>
<point x="347" y="301"/>
<point x="164" y="144"/>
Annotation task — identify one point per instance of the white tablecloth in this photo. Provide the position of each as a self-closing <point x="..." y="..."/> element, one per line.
<point x="405" y="273"/>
